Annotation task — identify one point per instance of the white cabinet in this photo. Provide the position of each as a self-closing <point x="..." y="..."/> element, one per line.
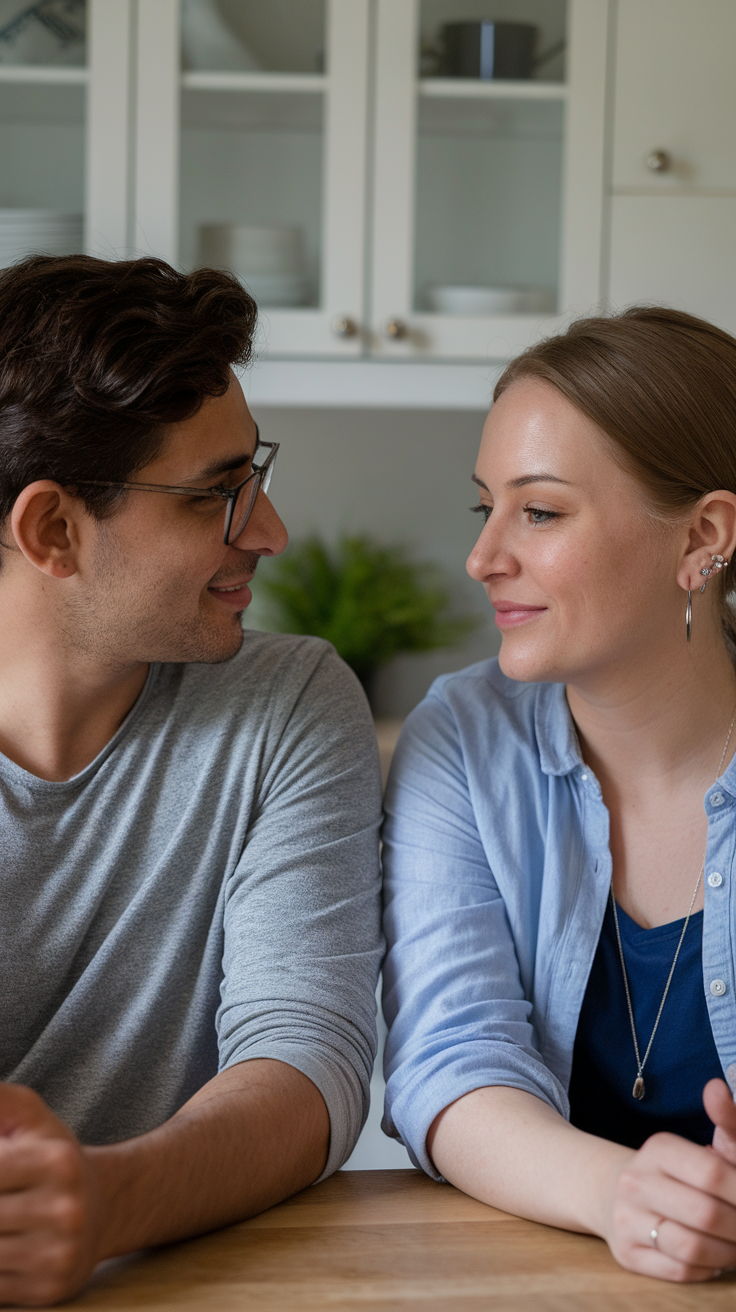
<point x="326" y="119"/>
<point x="673" y="182"/>
<point x="483" y="183"/>
<point x="220" y="146"/>
<point x="399" y="183"/>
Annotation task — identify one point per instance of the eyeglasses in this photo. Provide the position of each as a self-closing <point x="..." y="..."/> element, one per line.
<point x="240" y="500"/>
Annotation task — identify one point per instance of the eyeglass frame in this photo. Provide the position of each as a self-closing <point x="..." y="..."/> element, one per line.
<point x="262" y="472"/>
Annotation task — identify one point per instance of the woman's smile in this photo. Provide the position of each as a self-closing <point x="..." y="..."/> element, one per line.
<point x="509" y="614"/>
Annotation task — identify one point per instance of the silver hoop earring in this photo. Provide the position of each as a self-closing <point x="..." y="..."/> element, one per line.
<point x="689" y="616"/>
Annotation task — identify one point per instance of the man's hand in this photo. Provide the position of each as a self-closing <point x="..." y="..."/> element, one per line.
<point x="256" y="1133"/>
<point x="46" y="1203"/>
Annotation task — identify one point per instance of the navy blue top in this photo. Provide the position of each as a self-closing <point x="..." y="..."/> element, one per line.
<point x="683" y="1056"/>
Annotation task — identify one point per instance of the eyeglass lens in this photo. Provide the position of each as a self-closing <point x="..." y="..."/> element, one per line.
<point x="245" y="502"/>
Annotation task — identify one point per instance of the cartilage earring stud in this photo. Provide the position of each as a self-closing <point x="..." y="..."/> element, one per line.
<point x="706" y="573"/>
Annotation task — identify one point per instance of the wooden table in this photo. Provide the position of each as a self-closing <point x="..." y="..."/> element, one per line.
<point x="390" y="1240"/>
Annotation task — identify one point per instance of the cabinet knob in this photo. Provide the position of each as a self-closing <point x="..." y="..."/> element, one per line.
<point x="395" y="330"/>
<point x="344" y="326"/>
<point x="659" y="161"/>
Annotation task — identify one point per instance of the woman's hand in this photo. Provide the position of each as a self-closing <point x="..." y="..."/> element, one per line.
<point x="684" y="1192"/>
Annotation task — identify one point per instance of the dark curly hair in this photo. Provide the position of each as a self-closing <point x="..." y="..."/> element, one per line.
<point x="97" y="357"/>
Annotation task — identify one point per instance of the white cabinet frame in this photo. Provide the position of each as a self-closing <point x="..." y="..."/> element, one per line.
<point x="453" y="337"/>
<point x="134" y="195"/>
<point x="109" y="120"/>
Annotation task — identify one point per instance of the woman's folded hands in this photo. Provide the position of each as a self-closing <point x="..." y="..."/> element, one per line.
<point x="672" y="1212"/>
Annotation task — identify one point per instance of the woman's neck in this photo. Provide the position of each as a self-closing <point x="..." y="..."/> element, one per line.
<point x="669" y="718"/>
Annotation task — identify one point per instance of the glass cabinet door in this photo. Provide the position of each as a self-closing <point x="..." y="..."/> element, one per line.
<point x="263" y="152"/>
<point x="470" y="134"/>
<point x="43" y="77"/>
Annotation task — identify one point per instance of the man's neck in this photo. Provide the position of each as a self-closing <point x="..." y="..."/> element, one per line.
<point x="59" y="706"/>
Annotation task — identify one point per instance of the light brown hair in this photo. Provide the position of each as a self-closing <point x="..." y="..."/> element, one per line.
<point x="661" y="385"/>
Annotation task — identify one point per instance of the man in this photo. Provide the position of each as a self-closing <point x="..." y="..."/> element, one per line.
<point x="189" y="933"/>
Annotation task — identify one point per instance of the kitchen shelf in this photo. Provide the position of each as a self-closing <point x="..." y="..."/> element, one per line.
<point x="467" y="88"/>
<point x="372" y="384"/>
<point x="43" y="74"/>
<point x="287" y="83"/>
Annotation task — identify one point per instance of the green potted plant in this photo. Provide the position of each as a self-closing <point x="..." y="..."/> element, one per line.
<point x="370" y="601"/>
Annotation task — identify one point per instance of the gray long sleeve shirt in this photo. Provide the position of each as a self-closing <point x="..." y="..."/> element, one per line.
<point x="206" y="891"/>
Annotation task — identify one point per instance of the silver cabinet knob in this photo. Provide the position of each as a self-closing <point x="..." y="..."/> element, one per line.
<point x="395" y="330"/>
<point x="344" y="326"/>
<point x="659" y="161"/>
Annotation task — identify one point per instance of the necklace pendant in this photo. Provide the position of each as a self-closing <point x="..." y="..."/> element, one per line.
<point x="638" y="1090"/>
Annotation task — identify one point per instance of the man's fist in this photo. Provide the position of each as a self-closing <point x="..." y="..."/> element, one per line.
<point x="46" y="1203"/>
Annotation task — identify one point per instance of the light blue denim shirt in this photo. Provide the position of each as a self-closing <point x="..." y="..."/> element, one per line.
<point x="498" y="868"/>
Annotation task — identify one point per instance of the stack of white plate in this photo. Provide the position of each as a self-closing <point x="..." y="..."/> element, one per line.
<point x="38" y="232"/>
<point x="269" y="261"/>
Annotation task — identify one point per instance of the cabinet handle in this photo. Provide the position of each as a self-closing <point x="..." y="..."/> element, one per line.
<point x="344" y="326"/>
<point x="395" y="330"/>
<point x="659" y="161"/>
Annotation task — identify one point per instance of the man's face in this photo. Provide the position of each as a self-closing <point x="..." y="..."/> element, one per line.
<point x="156" y="581"/>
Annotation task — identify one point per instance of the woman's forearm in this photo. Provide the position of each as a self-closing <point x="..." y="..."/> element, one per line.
<point x="512" y="1150"/>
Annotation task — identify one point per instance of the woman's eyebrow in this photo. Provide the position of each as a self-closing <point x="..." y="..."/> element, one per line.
<point x="537" y="478"/>
<point x="526" y="479"/>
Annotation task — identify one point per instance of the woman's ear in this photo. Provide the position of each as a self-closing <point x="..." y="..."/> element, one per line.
<point x="43" y="525"/>
<point x="711" y="540"/>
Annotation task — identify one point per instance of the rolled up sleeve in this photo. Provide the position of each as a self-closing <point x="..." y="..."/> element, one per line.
<point x="302" y="909"/>
<point x="457" y="1014"/>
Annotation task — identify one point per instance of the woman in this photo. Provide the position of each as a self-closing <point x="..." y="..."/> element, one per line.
<point x="560" y="983"/>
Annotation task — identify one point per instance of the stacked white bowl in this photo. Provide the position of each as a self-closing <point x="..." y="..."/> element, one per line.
<point x="38" y="232"/>
<point x="471" y="301"/>
<point x="268" y="261"/>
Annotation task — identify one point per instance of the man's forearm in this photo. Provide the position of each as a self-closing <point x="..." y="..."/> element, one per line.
<point x="252" y="1136"/>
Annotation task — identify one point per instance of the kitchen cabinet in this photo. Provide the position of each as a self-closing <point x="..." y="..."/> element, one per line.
<point x="607" y="176"/>
<point x="673" y="175"/>
<point x="396" y="182"/>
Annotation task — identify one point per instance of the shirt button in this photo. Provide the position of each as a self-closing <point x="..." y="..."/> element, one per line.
<point x="717" y="988"/>
<point x="583" y="777"/>
<point x="714" y="879"/>
<point x="717" y="799"/>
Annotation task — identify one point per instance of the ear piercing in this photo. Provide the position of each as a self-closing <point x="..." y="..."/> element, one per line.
<point x="718" y="563"/>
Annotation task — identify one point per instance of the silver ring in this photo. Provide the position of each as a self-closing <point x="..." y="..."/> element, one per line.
<point x="653" y="1236"/>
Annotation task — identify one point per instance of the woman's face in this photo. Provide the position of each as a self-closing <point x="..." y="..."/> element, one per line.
<point x="581" y="577"/>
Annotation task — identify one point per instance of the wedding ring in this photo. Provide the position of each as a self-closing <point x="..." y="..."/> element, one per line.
<point x="653" y="1236"/>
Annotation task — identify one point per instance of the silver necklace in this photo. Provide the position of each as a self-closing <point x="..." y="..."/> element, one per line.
<point x="639" y="1089"/>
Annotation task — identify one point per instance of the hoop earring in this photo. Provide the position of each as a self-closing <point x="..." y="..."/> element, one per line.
<point x="689" y="616"/>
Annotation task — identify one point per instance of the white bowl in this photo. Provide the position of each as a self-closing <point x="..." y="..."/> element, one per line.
<point x="477" y="301"/>
<point x="277" y="289"/>
<point x="251" y="251"/>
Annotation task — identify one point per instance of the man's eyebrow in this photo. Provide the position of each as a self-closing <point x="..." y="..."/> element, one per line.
<point x="224" y="466"/>
<point x="525" y="480"/>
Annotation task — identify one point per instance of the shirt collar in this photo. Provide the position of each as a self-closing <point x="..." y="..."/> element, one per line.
<point x="557" y="741"/>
